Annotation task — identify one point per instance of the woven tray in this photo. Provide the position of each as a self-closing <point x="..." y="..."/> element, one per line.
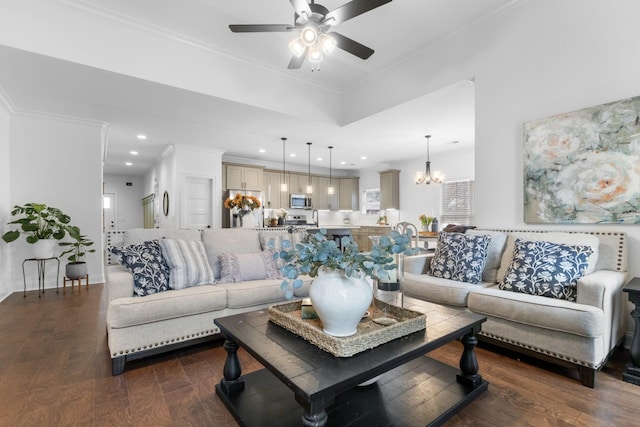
<point x="369" y="334"/>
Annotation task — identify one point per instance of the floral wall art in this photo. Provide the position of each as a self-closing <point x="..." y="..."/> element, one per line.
<point x="583" y="167"/>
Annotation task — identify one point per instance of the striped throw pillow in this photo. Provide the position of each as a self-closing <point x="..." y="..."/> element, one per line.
<point x="188" y="263"/>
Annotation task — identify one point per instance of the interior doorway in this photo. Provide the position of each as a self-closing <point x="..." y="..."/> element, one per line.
<point x="109" y="217"/>
<point x="148" y="211"/>
<point x="197" y="203"/>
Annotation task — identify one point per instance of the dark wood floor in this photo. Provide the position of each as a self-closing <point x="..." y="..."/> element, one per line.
<point x="55" y="371"/>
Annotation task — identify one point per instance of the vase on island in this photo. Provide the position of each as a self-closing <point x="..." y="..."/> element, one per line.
<point x="340" y="301"/>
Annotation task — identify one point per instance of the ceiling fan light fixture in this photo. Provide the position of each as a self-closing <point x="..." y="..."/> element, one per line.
<point x="327" y="43"/>
<point x="297" y="47"/>
<point x="315" y="54"/>
<point x="309" y="35"/>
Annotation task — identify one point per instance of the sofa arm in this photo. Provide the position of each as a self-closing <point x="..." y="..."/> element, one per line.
<point x="416" y="264"/>
<point x="603" y="289"/>
<point x="119" y="282"/>
<point x="597" y="288"/>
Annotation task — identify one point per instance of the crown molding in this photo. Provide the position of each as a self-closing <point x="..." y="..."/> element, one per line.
<point x="5" y="102"/>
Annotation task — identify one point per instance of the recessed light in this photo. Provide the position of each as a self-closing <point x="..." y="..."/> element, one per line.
<point x="363" y="158"/>
<point x="128" y="163"/>
<point x="343" y="163"/>
<point x="319" y="159"/>
<point x="133" y="153"/>
<point x="292" y="155"/>
<point x="141" y="136"/>
<point x="262" y="150"/>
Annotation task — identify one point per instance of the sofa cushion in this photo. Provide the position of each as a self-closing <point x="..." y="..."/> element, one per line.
<point x="254" y="292"/>
<point x="546" y="269"/>
<point x="188" y="263"/>
<point x="125" y="312"/>
<point x="460" y="257"/>
<point x="494" y="253"/>
<point x="438" y="290"/>
<point x="272" y="240"/>
<point x="242" y="267"/>
<point x="139" y="235"/>
<point x="548" y="313"/>
<point x="554" y="237"/>
<point x="147" y="265"/>
<point x="229" y="240"/>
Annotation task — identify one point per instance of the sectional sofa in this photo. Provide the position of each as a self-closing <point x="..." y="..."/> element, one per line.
<point x="224" y="271"/>
<point x="576" y="327"/>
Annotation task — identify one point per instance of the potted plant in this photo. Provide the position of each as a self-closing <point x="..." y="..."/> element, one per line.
<point x="425" y="221"/>
<point x="339" y="293"/>
<point x="41" y="224"/>
<point x="77" y="267"/>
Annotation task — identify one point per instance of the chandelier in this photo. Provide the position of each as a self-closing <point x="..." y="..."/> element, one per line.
<point x="427" y="177"/>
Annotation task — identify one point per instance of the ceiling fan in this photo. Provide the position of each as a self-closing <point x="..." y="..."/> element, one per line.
<point x="314" y="22"/>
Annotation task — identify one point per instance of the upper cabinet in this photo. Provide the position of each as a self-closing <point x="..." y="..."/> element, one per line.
<point x="274" y="197"/>
<point x="348" y="199"/>
<point x="390" y="189"/>
<point x="244" y="178"/>
<point x="298" y="183"/>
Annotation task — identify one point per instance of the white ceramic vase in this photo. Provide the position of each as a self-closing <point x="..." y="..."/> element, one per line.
<point x="44" y="248"/>
<point x="340" y="301"/>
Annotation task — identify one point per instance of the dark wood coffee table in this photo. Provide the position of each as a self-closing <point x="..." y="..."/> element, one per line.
<point x="304" y="385"/>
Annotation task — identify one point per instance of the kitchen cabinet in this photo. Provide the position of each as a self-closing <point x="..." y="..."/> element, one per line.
<point x="361" y="235"/>
<point x="348" y="198"/>
<point x="279" y="199"/>
<point x="321" y="199"/>
<point x="298" y="183"/>
<point x="244" y="178"/>
<point x="390" y="189"/>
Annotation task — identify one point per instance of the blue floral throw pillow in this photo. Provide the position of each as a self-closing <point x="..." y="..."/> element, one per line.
<point x="546" y="269"/>
<point x="146" y="263"/>
<point x="460" y="257"/>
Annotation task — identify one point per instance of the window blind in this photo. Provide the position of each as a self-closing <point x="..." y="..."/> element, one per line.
<point x="457" y="202"/>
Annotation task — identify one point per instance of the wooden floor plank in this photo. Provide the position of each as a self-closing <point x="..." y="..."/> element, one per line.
<point x="55" y="370"/>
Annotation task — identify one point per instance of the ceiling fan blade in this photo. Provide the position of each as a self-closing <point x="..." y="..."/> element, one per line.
<point x="351" y="10"/>
<point x="261" y="28"/>
<point x="301" y="7"/>
<point x="296" y="61"/>
<point x="351" y="46"/>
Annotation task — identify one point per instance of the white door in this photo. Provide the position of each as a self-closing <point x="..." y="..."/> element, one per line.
<point x="197" y="211"/>
<point x="109" y="217"/>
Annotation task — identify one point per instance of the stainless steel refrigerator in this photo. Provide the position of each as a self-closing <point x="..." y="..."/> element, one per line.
<point x="256" y="218"/>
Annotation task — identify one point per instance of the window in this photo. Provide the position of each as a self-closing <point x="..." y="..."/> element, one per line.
<point x="371" y="201"/>
<point x="457" y="202"/>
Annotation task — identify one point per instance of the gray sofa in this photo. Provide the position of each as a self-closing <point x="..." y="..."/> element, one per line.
<point x="141" y="326"/>
<point x="580" y="333"/>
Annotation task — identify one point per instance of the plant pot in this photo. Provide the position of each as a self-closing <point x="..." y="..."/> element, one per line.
<point x="44" y="248"/>
<point x="76" y="270"/>
<point x="340" y="301"/>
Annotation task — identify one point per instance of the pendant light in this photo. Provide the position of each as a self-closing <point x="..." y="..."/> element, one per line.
<point x="330" y="189"/>
<point x="309" y="186"/>
<point x="427" y="178"/>
<point x="283" y="185"/>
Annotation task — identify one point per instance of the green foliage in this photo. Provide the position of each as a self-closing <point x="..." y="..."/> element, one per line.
<point x="37" y="221"/>
<point x="77" y="248"/>
<point x="316" y="252"/>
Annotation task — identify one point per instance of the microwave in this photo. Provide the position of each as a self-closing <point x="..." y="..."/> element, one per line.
<point x="299" y="201"/>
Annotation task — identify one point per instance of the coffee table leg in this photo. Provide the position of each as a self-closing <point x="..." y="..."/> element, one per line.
<point x="469" y="363"/>
<point x="316" y="419"/>
<point x="232" y="381"/>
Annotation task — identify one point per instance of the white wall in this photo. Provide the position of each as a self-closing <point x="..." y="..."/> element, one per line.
<point x="128" y="199"/>
<point x="178" y="162"/>
<point x="535" y="59"/>
<point x="5" y="200"/>
<point x="57" y="162"/>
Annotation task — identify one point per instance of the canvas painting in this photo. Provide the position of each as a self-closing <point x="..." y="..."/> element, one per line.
<point x="583" y="167"/>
